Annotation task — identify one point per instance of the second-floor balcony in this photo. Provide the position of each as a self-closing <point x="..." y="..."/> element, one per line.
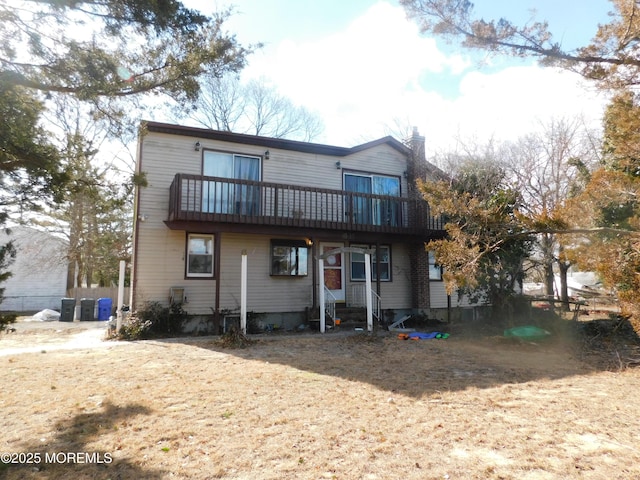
<point x="196" y="198"/>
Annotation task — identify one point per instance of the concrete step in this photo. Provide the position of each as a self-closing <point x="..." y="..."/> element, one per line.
<point x="351" y="314"/>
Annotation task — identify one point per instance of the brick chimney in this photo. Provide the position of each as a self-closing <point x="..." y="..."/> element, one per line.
<point x="418" y="256"/>
<point x="417" y="163"/>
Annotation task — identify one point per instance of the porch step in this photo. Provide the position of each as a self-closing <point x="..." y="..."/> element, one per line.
<point x="351" y="314"/>
<point x="315" y="325"/>
<point x="352" y="317"/>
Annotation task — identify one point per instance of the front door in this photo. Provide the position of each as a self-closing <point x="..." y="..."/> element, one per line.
<point x="334" y="270"/>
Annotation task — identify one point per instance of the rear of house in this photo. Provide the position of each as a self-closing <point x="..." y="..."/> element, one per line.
<point x="38" y="274"/>
<point x="212" y="196"/>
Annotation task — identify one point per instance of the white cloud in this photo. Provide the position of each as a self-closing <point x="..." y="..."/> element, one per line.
<point x="364" y="77"/>
<point x="357" y="75"/>
<point x="514" y="102"/>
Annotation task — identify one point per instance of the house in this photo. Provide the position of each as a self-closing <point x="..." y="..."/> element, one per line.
<point x="212" y="195"/>
<point x="39" y="272"/>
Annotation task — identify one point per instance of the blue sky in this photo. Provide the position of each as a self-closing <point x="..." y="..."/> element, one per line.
<point x="364" y="68"/>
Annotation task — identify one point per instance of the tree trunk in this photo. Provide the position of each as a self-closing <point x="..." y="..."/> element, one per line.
<point x="564" y="288"/>
<point x="72" y="253"/>
<point x="548" y="261"/>
<point x="79" y="276"/>
<point x="90" y="236"/>
<point x="549" y="279"/>
<point x="71" y="273"/>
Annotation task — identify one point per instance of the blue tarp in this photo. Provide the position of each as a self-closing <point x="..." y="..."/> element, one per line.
<point x="427" y="336"/>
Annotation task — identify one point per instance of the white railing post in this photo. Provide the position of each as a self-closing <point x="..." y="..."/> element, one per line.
<point x="367" y="274"/>
<point x="243" y="293"/>
<point x="119" y="312"/>
<point x="321" y="294"/>
<point x="377" y="305"/>
<point x="330" y="303"/>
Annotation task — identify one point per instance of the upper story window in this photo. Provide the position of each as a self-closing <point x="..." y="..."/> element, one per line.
<point x="199" y="256"/>
<point x="363" y="209"/>
<point x="230" y="197"/>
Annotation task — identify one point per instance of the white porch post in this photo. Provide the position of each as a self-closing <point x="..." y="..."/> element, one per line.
<point x="321" y="293"/>
<point x="243" y="293"/>
<point x="119" y="313"/>
<point x="369" y="297"/>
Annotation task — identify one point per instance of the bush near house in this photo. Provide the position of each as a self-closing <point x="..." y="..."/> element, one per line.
<point x="154" y="320"/>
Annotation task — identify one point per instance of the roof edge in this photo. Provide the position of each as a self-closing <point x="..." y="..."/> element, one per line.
<point x="269" y="142"/>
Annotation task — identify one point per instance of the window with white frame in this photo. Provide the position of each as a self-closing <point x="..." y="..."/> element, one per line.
<point x="358" y="263"/>
<point x="289" y="258"/>
<point x="435" y="270"/>
<point x="362" y="208"/>
<point x="199" y="256"/>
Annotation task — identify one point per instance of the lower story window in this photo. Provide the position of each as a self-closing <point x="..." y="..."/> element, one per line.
<point x="358" y="265"/>
<point x="435" y="270"/>
<point x="289" y="258"/>
<point x="200" y="256"/>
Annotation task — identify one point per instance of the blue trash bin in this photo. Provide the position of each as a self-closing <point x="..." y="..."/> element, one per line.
<point x="104" y="308"/>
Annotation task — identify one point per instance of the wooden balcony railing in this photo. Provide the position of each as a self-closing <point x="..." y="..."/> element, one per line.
<point x="214" y="199"/>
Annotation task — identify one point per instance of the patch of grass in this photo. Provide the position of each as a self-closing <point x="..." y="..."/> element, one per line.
<point x="364" y="337"/>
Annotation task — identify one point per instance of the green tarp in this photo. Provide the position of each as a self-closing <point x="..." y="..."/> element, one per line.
<point x="527" y="332"/>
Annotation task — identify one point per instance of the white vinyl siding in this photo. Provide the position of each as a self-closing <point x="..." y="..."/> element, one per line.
<point x="397" y="293"/>
<point x="160" y="252"/>
<point x="265" y="293"/>
<point x="314" y="170"/>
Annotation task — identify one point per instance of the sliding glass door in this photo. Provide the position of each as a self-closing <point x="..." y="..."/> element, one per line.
<point x="358" y="207"/>
<point x="226" y="197"/>
<point x="365" y="209"/>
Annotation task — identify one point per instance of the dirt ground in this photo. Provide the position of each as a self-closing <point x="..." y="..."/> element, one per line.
<point x="310" y="406"/>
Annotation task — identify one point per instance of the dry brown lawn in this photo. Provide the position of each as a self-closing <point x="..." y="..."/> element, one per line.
<point x="308" y="406"/>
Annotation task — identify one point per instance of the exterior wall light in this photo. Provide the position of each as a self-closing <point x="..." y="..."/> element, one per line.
<point x="197" y="147"/>
<point x="338" y="165"/>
